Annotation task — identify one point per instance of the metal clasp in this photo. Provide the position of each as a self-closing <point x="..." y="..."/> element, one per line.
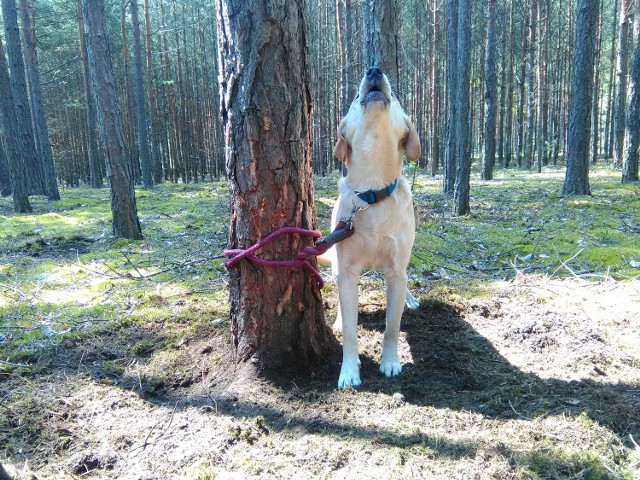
<point x="354" y="210"/>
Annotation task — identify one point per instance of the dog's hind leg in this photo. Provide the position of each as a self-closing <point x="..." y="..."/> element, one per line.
<point x="396" y="295"/>
<point x="348" y="298"/>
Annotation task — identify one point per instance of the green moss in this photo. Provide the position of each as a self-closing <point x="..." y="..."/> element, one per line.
<point x="558" y="464"/>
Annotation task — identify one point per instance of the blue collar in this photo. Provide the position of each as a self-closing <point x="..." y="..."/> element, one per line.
<point x="375" y="196"/>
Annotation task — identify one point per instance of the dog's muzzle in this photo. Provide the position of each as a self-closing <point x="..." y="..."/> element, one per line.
<point x="374" y="87"/>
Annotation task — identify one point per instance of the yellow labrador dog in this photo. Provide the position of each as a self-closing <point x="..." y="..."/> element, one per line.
<point x="377" y="199"/>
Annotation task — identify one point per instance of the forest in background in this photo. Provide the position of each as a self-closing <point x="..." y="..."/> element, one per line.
<point x="166" y="75"/>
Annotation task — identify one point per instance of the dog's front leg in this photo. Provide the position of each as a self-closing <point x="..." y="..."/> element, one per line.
<point x="396" y="290"/>
<point x="348" y="298"/>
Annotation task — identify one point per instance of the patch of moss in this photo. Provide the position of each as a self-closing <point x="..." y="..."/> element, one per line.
<point x="559" y="464"/>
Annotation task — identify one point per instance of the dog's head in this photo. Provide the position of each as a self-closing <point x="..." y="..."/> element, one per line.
<point x="376" y="107"/>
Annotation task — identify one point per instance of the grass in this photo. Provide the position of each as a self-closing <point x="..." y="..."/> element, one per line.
<point x="62" y="273"/>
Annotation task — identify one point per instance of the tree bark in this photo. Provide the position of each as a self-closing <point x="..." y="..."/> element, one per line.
<point x="632" y="134"/>
<point x="26" y="141"/>
<point x="463" y="131"/>
<point x="142" y="119"/>
<point x="451" y="150"/>
<point x="39" y="112"/>
<point x="276" y="315"/>
<point x="435" y="94"/>
<point x="577" y="175"/>
<point x="10" y="135"/>
<point x="531" y="84"/>
<point x="6" y="187"/>
<point x="508" y="128"/>
<point x="119" y="172"/>
<point x="490" y="78"/>
<point x="95" y="171"/>
<point x="381" y="37"/>
<point x="620" y="94"/>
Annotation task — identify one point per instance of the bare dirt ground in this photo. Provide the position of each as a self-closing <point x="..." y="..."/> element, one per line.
<point x="539" y="379"/>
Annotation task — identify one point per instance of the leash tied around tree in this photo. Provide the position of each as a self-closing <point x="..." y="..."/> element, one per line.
<point x="344" y="229"/>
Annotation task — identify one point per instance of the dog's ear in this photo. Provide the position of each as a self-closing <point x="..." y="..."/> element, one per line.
<point x="411" y="142"/>
<point x="342" y="149"/>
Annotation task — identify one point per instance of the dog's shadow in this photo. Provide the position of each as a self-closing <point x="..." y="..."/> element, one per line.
<point x="453" y="366"/>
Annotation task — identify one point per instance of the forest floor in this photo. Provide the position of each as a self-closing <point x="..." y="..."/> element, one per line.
<point x="523" y="360"/>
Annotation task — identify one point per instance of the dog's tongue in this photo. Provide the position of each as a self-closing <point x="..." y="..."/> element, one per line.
<point x="375" y="96"/>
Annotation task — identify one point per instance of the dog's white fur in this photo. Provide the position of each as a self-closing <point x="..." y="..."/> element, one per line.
<point x="371" y="140"/>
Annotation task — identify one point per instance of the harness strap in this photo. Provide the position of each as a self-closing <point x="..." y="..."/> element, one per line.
<point x="375" y="196"/>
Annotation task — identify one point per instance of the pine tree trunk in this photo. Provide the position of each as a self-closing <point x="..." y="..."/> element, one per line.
<point x="119" y="172"/>
<point x="10" y="135"/>
<point x="608" y="144"/>
<point x="632" y="134"/>
<point x="95" y="171"/>
<point x="463" y="131"/>
<point x="6" y="187"/>
<point x="620" y="95"/>
<point x="156" y="162"/>
<point x="451" y="150"/>
<point x="531" y="84"/>
<point x="39" y="112"/>
<point x="142" y="119"/>
<point x="595" y="109"/>
<point x="26" y="140"/>
<point x="577" y="175"/>
<point x="435" y="94"/>
<point x="508" y="133"/>
<point x="522" y="84"/>
<point x="276" y="314"/>
<point x="490" y="78"/>
<point x="381" y="37"/>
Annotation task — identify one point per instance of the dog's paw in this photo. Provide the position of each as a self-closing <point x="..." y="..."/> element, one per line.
<point x="391" y="368"/>
<point x="411" y="301"/>
<point x="349" y="376"/>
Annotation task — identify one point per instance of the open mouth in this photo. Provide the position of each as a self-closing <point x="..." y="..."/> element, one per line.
<point x="375" y="95"/>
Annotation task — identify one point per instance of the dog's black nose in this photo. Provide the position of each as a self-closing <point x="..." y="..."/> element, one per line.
<point x="374" y="73"/>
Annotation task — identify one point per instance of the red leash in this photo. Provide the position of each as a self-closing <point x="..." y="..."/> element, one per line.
<point x="343" y="230"/>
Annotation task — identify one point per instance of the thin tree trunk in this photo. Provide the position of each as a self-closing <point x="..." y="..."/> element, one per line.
<point x="461" y="201"/>
<point x="522" y="83"/>
<point x="577" y="175"/>
<point x="608" y="144"/>
<point x="595" y="109"/>
<point x="632" y="134"/>
<point x="6" y="187"/>
<point x="95" y="171"/>
<point x="119" y="172"/>
<point x="435" y="93"/>
<point x="451" y="150"/>
<point x="531" y="84"/>
<point x="142" y="120"/>
<point x="621" y="82"/>
<point x="39" y="113"/>
<point x="156" y="161"/>
<point x="381" y="36"/>
<point x="26" y="141"/>
<point x="489" y="145"/>
<point x="10" y="135"/>
<point x="508" y="134"/>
